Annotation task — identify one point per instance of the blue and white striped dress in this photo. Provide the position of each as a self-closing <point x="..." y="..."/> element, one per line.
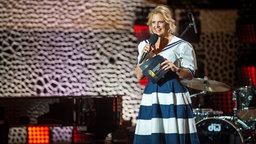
<point x="166" y="115"/>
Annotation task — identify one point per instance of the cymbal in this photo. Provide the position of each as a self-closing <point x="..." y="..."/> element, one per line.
<point x="206" y="85"/>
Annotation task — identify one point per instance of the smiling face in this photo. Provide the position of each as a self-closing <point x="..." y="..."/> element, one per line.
<point x="158" y="25"/>
<point x="160" y="21"/>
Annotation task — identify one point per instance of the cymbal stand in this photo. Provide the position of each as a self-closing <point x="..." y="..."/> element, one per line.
<point x="200" y="93"/>
<point x="204" y="91"/>
<point x="235" y="108"/>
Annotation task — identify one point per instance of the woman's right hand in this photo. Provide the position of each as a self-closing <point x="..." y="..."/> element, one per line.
<point x="147" y="48"/>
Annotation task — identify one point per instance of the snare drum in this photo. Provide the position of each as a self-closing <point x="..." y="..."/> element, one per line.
<point x="222" y="130"/>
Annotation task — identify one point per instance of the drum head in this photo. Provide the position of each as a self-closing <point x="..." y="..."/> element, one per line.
<point x="218" y="131"/>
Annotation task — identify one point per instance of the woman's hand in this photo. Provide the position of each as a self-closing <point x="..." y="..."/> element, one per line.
<point x="147" y="48"/>
<point x="169" y="65"/>
<point x="183" y="73"/>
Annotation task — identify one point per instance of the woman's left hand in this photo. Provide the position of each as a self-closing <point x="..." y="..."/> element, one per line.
<point x="169" y="65"/>
<point x="183" y="73"/>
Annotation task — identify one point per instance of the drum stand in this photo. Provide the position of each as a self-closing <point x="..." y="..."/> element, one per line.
<point x="203" y="92"/>
<point x="200" y="93"/>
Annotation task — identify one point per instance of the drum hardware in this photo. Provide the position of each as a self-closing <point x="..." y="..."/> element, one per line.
<point x="202" y="113"/>
<point x="200" y="93"/>
<point x="238" y="121"/>
<point x="242" y="96"/>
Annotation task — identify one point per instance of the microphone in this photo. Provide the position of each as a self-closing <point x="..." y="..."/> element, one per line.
<point x="193" y="22"/>
<point x="152" y="40"/>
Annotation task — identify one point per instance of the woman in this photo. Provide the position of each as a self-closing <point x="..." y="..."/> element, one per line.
<point x="166" y="115"/>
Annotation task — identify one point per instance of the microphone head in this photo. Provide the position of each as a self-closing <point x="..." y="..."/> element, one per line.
<point x="153" y="38"/>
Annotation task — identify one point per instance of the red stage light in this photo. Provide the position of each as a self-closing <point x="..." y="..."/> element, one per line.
<point x="248" y="72"/>
<point x="141" y="32"/>
<point x="38" y="135"/>
<point x="246" y="33"/>
<point x="81" y="137"/>
<point x="144" y="81"/>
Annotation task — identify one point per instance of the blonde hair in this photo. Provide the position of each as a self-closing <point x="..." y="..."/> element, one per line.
<point x="166" y="13"/>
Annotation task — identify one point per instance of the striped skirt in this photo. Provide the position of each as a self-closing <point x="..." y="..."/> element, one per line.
<point x="166" y="115"/>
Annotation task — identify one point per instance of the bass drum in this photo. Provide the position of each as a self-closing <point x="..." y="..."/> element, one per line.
<point x="222" y="130"/>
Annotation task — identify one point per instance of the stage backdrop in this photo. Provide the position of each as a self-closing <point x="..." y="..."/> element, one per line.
<point x="88" y="48"/>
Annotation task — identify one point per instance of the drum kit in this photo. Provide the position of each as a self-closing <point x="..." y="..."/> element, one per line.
<point x="213" y="127"/>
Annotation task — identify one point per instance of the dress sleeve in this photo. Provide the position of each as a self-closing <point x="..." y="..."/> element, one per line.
<point x="140" y="47"/>
<point x="188" y="57"/>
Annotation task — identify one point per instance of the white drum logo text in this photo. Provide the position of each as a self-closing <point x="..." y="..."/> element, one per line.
<point x="214" y="127"/>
